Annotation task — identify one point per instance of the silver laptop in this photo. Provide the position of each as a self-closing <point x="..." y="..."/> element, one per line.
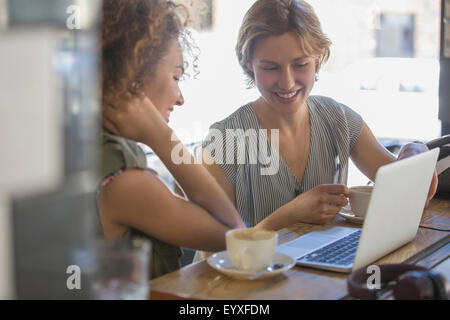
<point x="393" y="216"/>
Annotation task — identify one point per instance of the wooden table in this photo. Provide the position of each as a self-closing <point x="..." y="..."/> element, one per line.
<point x="199" y="281"/>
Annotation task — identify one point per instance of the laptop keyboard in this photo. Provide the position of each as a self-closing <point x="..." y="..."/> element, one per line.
<point x="341" y="252"/>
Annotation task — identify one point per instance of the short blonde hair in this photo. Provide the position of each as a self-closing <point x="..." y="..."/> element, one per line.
<point x="275" y="17"/>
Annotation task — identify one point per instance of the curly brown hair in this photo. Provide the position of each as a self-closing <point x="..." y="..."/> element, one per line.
<point x="136" y="34"/>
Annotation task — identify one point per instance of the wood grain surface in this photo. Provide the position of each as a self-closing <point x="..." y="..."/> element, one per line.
<point x="199" y="281"/>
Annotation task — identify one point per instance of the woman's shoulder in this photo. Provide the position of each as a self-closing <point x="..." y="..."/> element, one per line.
<point x="120" y="153"/>
<point x="328" y="107"/>
<point x="336" y="115"/>
<point x="242" y="118"/>
<point x="325" y="104"/>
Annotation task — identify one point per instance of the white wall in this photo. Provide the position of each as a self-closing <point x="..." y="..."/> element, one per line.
<point x="220" y="88"/>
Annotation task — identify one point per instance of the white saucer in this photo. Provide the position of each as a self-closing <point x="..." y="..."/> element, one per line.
<point x="222" y="263"/>
<point x="350" y="216"/>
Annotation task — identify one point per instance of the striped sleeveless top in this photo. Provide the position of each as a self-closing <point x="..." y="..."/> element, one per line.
<point x="335" y="128"/>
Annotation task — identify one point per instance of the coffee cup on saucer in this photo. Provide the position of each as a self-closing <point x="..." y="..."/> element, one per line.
<point x="359" y="200"/>
<point x="251" y="249"/>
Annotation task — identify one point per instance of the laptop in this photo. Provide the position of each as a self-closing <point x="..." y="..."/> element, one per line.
<point x="393" y="216"/>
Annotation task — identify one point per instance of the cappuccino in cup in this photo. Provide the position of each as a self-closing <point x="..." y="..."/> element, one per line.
<point x="359" y="199"/>
<point x="251" y="249"/>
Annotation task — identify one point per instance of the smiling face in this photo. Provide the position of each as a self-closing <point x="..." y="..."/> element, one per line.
<point x="284" y="75"/>
<point x="162" y="88"/>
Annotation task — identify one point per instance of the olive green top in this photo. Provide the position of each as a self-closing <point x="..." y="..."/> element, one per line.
<point x="122" y="154"/>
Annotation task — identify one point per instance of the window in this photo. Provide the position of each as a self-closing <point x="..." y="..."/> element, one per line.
<point x="395" y="36"/>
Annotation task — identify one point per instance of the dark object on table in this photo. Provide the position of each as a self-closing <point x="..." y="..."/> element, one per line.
<point x="406" y="282"/>
<point x="443" y="165"/>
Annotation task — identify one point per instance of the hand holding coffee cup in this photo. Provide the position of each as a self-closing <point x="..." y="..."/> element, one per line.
<point x="251" y="249"/>
<point x="359" y="199"/>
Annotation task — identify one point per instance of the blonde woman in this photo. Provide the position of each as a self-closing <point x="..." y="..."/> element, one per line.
<point x="281" y="48"/>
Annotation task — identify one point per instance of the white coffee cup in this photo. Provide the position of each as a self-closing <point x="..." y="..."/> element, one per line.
<point x="359" y="199"/>
<point x="251" y="249"/>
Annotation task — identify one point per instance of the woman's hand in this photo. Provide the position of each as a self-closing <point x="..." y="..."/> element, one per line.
<point x="412" y="149"/>
<point x="133" y="117"/>
<point x="321" y="204"/>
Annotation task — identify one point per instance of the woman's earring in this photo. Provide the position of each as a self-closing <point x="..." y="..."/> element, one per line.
<point x="135" y="86"/>
<point x="316" y="77"/>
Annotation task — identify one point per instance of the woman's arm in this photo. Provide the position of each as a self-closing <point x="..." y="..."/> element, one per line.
<point x="138" y="119"/>
<point x="138" y="199"/>
<point x="197" y="183"/>
<point x="216" y="171"/>
<point x="369" y="155"/>
<point x="318" y="205"/>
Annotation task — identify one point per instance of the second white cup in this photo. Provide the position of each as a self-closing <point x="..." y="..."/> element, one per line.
<point x="359" y="199"/>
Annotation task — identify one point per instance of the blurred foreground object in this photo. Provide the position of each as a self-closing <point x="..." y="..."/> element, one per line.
<point x="48" y="137"/>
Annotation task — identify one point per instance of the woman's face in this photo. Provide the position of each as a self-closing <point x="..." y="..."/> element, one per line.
<point x="162" y="88"/>
<point x="284" y="75"/>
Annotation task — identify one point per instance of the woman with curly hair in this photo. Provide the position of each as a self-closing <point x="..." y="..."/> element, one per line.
<point x="142" y="63"/>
